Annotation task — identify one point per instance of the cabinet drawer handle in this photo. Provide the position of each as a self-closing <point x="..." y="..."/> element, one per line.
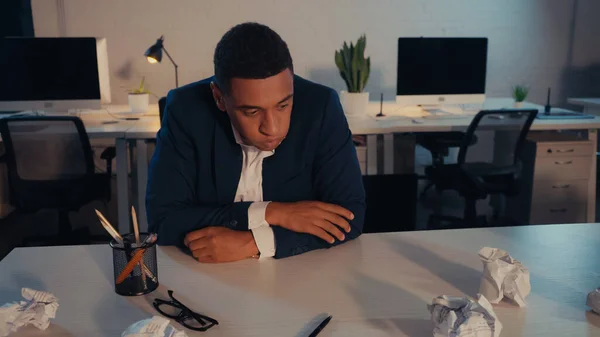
<point x="561" y="186"/>
<point x="565" y="151"/>
<point x="568" y="162"/>
<point x="558" y="210"/>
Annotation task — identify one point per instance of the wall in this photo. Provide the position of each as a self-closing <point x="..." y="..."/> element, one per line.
<point x="540" y="42"/>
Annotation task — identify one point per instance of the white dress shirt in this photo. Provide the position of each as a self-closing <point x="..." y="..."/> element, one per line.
<point x="250" y="189"/>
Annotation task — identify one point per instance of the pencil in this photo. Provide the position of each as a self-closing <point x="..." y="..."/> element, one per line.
<point x="109" y="228"/>
<point x="136" y="231"/>
<point x="137" y="257"/>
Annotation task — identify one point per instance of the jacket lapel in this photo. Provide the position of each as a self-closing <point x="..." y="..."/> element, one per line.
<point x="227" y="156"/>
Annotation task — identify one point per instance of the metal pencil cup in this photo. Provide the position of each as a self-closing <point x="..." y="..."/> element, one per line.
<point x="135" y="269"/>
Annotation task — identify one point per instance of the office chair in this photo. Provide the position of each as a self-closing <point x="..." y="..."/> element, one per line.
<point x="51" y="166"/>
<point x="477" y="179"/>
<point x="391" y="203"/>
<point x="439" y="145"/>
<point x="162" y="102"/>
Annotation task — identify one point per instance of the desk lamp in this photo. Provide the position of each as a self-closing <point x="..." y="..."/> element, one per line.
<point x="154" y="55"/>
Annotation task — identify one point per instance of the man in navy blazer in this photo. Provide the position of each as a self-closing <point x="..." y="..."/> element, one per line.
<point x="255" y="161"/>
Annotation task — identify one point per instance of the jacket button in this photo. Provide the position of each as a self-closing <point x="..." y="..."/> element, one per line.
<point x="233" y="223"/>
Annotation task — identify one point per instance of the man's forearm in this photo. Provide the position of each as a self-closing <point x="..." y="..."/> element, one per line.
<point x="172" y="223"/>
<point x="290" y="243"/>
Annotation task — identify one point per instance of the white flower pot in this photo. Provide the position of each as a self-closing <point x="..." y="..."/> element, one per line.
<point x="518" y="105"/>
<point x="354" y="103"/>
<point x="138" y="103"/>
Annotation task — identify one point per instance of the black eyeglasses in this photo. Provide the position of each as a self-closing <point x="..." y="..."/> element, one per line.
<point x="183" y="315"/>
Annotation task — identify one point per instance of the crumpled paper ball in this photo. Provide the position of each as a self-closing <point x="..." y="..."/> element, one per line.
<point x="156" y="326"/>
<point x="503" y="276"/>
<point x="463" y="317"/>
<point x="593" y="301"/>
<point x="38" y="309"/>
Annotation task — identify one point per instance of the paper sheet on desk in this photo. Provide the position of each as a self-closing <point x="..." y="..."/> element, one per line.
<point x="503" y="276"/>
<point x="463" y="317"/>
<point x="39" y="308"/>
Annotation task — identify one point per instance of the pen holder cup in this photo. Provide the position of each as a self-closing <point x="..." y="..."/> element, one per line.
<point x="135" y="269"/>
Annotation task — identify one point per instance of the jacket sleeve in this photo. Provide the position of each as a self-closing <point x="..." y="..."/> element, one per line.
<point x="170" y="198"/>
<point x="337" y="180"/>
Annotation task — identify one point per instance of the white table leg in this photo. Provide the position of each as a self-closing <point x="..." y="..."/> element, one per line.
<point x="371" y="155"/>
<point x="122" y="186"/>
<point x="141" y="179"/>
<point x="388" y="153"/>
<point x="591" y="205"/>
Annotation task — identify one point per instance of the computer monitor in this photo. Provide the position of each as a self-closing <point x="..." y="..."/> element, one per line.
<point x="438" y="71"/>
<point x="53" y="74"/>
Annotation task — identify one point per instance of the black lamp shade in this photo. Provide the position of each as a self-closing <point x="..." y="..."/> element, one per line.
<point x="155" y="51"/>
<point x="154" y="55"/>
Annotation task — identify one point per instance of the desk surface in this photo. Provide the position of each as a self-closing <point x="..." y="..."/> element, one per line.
<point x="147" y="127"/>
<point x="377" y="285"/>
<point x="590" y="101"/>
<point x="111" y="121"/>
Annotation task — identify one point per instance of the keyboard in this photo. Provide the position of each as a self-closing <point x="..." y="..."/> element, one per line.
<point x="564" y="115"/>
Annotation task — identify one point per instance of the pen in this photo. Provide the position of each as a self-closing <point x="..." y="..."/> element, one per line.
<point x="380" y="114"/>
<point x="320" y="327"/>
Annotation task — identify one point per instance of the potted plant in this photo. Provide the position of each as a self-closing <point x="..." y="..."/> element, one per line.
<point x="139" y="99"/>
<point x="354" y="69"/>
<point x="520" y="93"/>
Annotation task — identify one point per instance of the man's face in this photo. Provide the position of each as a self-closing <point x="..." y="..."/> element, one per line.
<point x="259" y="109"/>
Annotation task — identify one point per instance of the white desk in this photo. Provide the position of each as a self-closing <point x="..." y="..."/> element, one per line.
<point x="378" y="285"/>
<point x="590" y="105"/>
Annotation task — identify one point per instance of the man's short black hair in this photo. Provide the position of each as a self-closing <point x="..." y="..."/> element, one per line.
<point x="252" y="51"/>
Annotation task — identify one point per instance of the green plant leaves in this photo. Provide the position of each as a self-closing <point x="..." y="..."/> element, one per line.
<point x="520" y="92"/>
<point x="354" y="68"/>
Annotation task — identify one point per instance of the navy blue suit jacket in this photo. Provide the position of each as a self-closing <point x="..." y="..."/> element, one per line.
<point x="195" y="169"/>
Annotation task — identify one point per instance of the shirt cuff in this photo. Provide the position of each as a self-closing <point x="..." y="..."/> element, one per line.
<point x="265" y="241"/>
<point x="256" y="214"/>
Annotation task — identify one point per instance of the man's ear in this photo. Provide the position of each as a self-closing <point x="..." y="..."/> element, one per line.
<point x="218" y="96"/>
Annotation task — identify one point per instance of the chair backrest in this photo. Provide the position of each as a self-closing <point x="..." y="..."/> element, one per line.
<point x="162" y="102"/>
<point x="510" y="128"/>
<point x="46" y="148"/>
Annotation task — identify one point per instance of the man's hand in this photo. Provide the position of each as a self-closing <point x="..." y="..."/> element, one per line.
<point x="313" y="217"/>
<point x="220" y="244"/>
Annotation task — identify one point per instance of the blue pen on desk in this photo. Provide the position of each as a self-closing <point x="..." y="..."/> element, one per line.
<point x="321" y="327"/>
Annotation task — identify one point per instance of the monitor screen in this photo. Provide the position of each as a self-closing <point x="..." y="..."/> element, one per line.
<point x="48" y="69"/>
<point x="441" y="66"/>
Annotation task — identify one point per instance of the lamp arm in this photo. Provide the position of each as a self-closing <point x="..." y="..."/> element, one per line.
<point x="175" y="65"/>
